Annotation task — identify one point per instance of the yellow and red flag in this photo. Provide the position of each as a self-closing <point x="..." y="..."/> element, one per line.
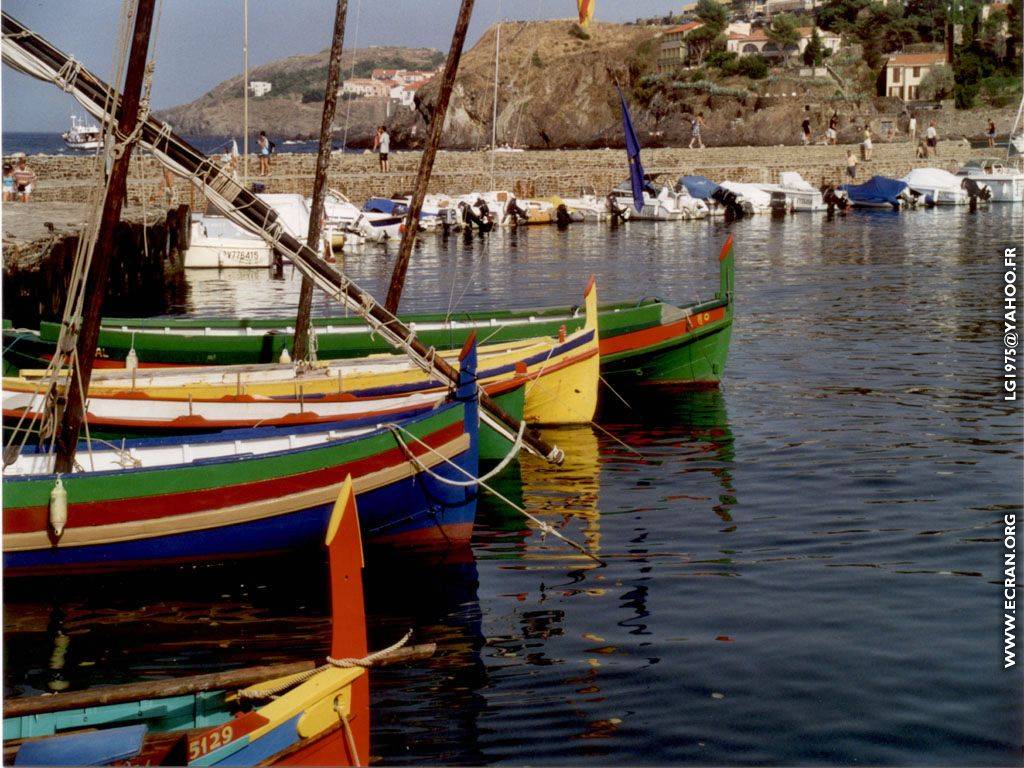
<point x="586" y="8"/>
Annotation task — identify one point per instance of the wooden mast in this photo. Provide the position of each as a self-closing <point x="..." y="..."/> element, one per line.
<point x="412" y="219"/>
<point x="300" y="345"/>
<point x="232" y="197"/>
<point x="96" y="286"/>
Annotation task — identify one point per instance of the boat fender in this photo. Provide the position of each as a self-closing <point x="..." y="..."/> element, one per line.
<point x="285" y="357"/>
<point x="131" y="360"/>
<point x="58" y="508"/>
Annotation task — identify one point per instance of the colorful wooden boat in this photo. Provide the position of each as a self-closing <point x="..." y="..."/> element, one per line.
<point x="648" y="341"/>
<point x="244" y="493"/>
<point x="561" y="376"/>
<point x="321" y="716"/>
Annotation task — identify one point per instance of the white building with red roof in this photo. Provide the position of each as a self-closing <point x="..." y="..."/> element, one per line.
<point x="904" y="73"/>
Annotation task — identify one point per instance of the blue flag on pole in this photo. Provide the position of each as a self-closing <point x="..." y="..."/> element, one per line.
<point x="636" y="170"/>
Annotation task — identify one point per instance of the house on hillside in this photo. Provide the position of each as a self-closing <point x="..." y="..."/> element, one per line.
<point x="259" y="88"/>
<point x="405" y="93"/>
<point x="360" y="86"/>
<point x="756" y="42"/>
<point x="401" y="75"/>
<point x="674" y="51"/>
<point x="902" y="74"/>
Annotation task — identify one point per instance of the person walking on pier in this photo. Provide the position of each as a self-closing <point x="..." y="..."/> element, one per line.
<point x="24" y="180"/>
<point x="382" y="143"/>
<point x="695" y="125"/>
<point x="805" y="126"/>
<point x="931" y="137"/>
<point x="832" y="134"/>
<point x="912" y="127"/>
<point x="990" y="134"/>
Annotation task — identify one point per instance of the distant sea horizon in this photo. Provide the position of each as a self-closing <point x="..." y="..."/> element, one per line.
<point x="51" y="143"/>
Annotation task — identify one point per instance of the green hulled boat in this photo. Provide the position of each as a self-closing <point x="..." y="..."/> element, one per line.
<point x="644" y="342"/>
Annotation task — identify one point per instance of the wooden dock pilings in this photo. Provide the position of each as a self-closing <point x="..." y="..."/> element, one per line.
<point x="39" y="245"/>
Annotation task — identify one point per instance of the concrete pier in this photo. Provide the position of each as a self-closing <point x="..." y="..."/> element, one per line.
<point x="40" y="240"/>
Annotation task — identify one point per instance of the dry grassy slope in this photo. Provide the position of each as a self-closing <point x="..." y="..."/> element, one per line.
<point x="554" y="88"/>
<point x="282" y="113"/>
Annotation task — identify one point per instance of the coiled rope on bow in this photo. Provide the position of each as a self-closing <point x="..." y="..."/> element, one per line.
<point x="285" y="683"/>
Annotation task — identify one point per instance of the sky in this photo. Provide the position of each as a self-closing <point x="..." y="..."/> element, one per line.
<point x="199" y="42"/>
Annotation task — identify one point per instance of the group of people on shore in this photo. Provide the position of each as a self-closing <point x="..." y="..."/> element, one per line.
<point x="19" y="181"/>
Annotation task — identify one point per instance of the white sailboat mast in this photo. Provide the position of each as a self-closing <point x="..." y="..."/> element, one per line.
<point x="245" y="92"/>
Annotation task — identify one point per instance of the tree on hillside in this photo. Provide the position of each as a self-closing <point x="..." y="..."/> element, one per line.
<point x="883" y="29"/>
<point x="784" y="33"/>
<point x="928" y="19"/>
<point x="814" y="53"/>
<point x="937" y="84"/>
<point x="712" y="14"/>
<point x="841" y="15"/>
<point x="713" y="18"/>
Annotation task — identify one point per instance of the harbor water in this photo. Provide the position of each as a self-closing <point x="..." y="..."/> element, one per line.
<point x="803" y="566"/>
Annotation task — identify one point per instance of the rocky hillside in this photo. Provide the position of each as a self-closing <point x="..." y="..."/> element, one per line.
<point x="555" y="86"/>
<point x="293" y="108"/>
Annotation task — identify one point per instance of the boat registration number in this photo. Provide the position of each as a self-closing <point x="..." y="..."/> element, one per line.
<point x="247" y="256"/>
<point x="211" y="739"/>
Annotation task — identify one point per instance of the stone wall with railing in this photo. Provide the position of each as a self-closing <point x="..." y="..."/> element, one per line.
<point x="533" y="173"/>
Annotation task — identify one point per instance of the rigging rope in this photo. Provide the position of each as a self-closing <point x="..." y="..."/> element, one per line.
<point x="544" y="527"/>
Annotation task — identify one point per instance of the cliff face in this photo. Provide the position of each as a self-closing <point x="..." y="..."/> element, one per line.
<point x="555" y="89"/>
<point x="293" y="108"/>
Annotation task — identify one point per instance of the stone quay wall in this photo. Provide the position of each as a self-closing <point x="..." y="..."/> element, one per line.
<point x="538" y="173"/>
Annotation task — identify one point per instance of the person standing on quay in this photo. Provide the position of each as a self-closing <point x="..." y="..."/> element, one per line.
<point x="264" y="151"/>
<point x="990" y="134"/>
<point x="912" y="127"/>
<point x="695" y="124"/>
<point x="832" y="134"/>
<point x="851" y="164"/>
<point x="805" y="126"/>
<point x="931" y="137"/>
<point x="382" y="143"/>
<point x="867" y="146"/>
<point x="24" y="180"/>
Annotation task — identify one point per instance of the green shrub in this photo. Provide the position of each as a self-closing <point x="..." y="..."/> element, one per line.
<point x="312" y="96"/>
<point x="1001" y="90"/>
<point x="965" y="93"/>
<point x="937" y="84"/>
<point x="754" y="67"/>
<point x="720" y="59"/>
<point x="535" y="60"/>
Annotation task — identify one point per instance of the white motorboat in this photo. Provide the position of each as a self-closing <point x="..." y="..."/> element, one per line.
<point x="341" y="215"/>
<point x="495" y="208"/>
<point x="793" y="193"/>
<point x="82" y="137"/>
<point x="938" y="187"/>
<point x="661" y="205"/>
<point x="591" y="207"/>
<point x="751" y="195"/>
<point x="219" y="243"/>
<point x="1004" y="182"/>
<point x="216" y="242"/>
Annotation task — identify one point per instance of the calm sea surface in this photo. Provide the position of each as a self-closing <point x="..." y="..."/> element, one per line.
<point x="802" y="567"/>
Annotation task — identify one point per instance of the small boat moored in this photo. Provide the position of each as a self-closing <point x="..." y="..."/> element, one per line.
<point x="879" y="192"/>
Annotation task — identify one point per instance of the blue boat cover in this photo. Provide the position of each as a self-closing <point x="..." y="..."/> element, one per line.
<point x="700" y="187"/>
<point x="877" y="189"/>
<point x="90" y="748"/>
<point x="384" y="205"/>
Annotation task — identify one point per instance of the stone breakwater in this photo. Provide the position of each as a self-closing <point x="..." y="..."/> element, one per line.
<point x="534" y="173"/>
<point x="40" y="240"/>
